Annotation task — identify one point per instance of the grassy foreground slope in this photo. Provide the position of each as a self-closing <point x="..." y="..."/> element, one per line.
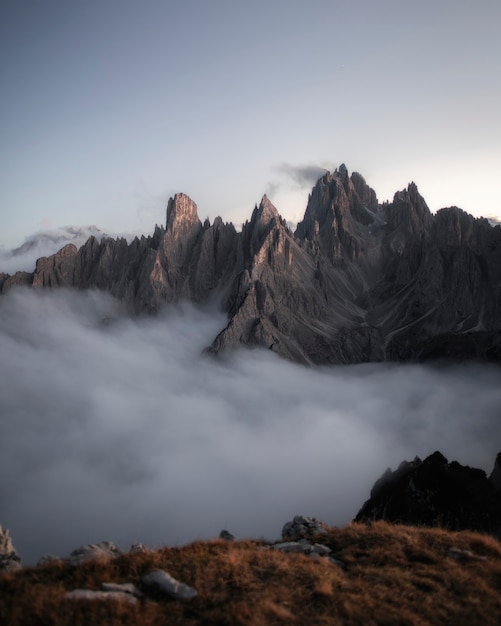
<point x="393" y="575"/>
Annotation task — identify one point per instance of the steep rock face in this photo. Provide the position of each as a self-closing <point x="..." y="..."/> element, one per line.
<point x="289" y="298"/>
<point x="448" y="301"/>
<point x="358" y="281"/>
<point x="57" y="270"/>
<point x="435" y="492"/>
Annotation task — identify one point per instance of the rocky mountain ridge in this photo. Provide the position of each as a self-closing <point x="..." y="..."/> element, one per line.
<point x="357" y="281"/>
<point x="359" y="574"/>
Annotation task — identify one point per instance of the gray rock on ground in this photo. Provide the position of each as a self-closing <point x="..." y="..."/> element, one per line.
<point x="302" y="546"/>
<point x="122" y="587"/>
<point x="102" y="550"/>
<point x="161" y="582"/>
<point x="302" y="527"/>
<point x="90" y="594"/>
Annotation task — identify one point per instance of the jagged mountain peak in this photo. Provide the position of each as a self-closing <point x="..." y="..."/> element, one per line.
<point x="265" y="212"/>
<point x="409" y="212"/>
<point x="411" y="196"/>
<point x="267" y="207"/>
<point x="182" y="213"/>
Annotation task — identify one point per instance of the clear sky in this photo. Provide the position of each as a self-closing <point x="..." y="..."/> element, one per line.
<point x="109" y="106"/>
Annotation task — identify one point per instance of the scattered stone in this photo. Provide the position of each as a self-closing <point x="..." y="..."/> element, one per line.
<point x="138" y="548"/>
<point x="9" y="558"/>
<point x="89" y="594"/>
<point x="161" y="582"/>
<point x="464" y="555"/>
<point x="103" y="550"/>
<point x="321" y="550"/>
<point x="292" y="546"/>
<point x="302" y="546"/>
<point x="301" y="527"/>
<point x="121" y="587"/>
<point x="226" y="535"/>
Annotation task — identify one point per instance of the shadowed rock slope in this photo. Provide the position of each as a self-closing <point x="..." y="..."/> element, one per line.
<point x="358" y="281"/>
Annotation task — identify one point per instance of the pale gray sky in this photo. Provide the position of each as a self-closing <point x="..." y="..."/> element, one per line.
<point x="110" y="106"/>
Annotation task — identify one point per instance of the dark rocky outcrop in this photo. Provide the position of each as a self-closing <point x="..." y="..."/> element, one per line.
<point x="435" y="492"/>
<point x="358" y="281"/>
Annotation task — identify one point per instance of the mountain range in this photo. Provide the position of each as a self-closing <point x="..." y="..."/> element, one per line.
<point x="358" y="280"/>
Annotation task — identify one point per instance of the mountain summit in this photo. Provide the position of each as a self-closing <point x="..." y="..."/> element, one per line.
<point x="358" y="281"/>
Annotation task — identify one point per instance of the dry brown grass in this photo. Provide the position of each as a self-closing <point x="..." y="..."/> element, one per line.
<point x="395" y="575"/>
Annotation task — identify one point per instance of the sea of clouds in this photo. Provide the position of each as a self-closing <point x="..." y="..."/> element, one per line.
<point x="121" y="429"/>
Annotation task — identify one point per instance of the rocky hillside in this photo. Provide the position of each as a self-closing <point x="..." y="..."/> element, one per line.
<point x="370" y="572"/>
<point x="358" y="575"/>
<point x="358" y="281"/>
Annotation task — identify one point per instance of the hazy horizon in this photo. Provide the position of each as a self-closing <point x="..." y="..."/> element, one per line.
<point x="120" y="429"/>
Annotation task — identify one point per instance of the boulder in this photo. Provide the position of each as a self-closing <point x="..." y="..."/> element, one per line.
<point x="162" y="583"/>
<point x="303" y="546"/>
<point x="302" y="527"/>
<point x="90" y="594"/>
<point x="102" y="550"/>
<point x="121" y="587"/>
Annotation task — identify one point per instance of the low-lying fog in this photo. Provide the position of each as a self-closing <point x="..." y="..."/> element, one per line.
<point x="119" y="429"/>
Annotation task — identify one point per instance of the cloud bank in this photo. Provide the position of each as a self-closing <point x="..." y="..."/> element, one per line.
<point x="120" y="429"/>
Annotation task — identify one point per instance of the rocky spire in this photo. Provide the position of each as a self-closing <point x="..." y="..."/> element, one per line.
<point x="182" y="215"/>
<point x="9" y="558"/>
<point x="409" y="213"/>
<point x="264" y="214"/>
